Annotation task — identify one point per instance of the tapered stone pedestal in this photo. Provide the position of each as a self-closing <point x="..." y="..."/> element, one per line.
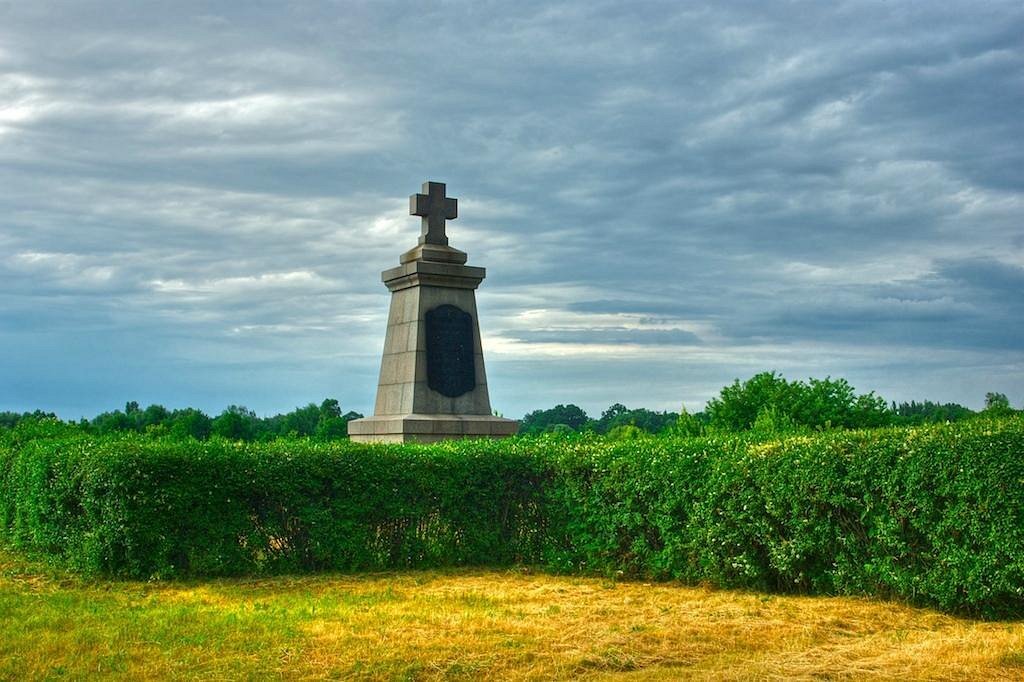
<point x="432" y="382"/>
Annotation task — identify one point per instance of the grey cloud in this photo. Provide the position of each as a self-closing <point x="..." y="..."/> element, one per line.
<point x="612" y="336"/>
<point x="218" y="188"/>
<point x="1001" y="280"/>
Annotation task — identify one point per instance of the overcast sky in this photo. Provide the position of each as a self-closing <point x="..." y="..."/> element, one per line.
<point x="197" y="199"/>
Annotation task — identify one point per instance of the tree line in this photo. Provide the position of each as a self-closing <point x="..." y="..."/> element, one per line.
<point x="322" y="422"/>
<point x="766" y="403"/>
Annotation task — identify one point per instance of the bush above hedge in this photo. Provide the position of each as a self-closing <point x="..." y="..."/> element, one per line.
<point x="932" y="514"/>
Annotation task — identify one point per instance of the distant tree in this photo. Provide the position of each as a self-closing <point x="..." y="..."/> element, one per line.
<point x="737" y="405"/>
<point x="539" y="421"/>
<point x="236" y="423"/>
<point x="112" y="422"/>
<point x="818" y="404"/>
<point x="330" y="409"/>
<point x="269" y="428"/>
<point x="609" y="418"/>
<point x="325" y="422"/>
<point x="828" y="402"/>
<point x="644" y="419"/>
<point x="997" y="404"/>
<point x="927" y="412"/>
<point x="9" y="420"/>
<point x="302" y="421"/>
<point x="132" y="419"/>
<point x="333" y="425"/>
<point x="154" y="415"/>
<point x="190" y="423"/>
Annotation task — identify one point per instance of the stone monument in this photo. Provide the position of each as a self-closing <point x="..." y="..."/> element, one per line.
<point x="432" y="383"/>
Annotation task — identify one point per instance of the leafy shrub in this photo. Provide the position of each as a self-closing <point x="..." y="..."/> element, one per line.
<point x="932" y="514"/>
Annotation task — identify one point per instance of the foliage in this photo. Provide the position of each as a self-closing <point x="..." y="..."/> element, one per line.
<point x="9" y="420"/>
<point x="190" y="423"/>
<point x="932" y="514"/>
<point x="626" y="432"/>
<point x="772" y="422"/>
<point x="737" y="406"/>
<point x="236" y="423"/>
<point x="689" y="424"/>
<point x="766" y="404"/>
<point x="138" y="506"/>
<point x="618" y="415"/>
<point x="561" y="418"/>
<point x="817" y="404"/>
<point x="325" y="422"/>
<point x="541" y="421"/>
<point x="927" y="412"/>
<point x="997" y="405"/>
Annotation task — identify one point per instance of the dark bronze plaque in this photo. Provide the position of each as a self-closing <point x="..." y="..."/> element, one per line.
<point x="451" y="370"/>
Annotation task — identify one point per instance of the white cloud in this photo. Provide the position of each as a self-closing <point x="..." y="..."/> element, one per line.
<point x="68" y="270"/>
<point x="264" y="284"/>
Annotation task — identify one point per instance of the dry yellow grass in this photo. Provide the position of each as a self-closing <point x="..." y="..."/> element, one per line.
<point x="474" y="624"/>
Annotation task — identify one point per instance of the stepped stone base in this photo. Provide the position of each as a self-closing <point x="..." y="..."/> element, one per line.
<point x="428" y="428"/>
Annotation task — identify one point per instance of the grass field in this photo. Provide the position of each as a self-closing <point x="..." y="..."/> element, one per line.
<point x="470" y="624"/>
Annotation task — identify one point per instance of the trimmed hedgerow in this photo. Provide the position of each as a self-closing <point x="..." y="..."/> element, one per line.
<point x="932" y="514"/>
<point x="142" y="508"/>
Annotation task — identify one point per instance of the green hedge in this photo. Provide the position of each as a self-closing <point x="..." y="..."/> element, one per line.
<point x="933" y="514"/>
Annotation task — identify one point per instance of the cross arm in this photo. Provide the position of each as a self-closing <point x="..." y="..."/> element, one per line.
<point x="419" y="204"/>
<point x="451" y="208"/>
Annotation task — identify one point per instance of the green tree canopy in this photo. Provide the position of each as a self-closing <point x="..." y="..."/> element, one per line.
<point x="927" y="412"/>
<point x="997" y="404"/>
<point x="190" y="423"/>
<point x="540" y="421"/>
<point x="646" y="420"/>
<point x="781" y="405"/>
<point x="236" y="423"/>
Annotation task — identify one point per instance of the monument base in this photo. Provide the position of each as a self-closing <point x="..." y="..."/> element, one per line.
<point x="429" y="428"/>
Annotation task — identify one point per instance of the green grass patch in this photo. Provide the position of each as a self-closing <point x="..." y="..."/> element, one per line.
<point x="468" y="624"/>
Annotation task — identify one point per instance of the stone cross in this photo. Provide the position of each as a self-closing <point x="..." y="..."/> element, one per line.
<point x="434" y="207"/>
